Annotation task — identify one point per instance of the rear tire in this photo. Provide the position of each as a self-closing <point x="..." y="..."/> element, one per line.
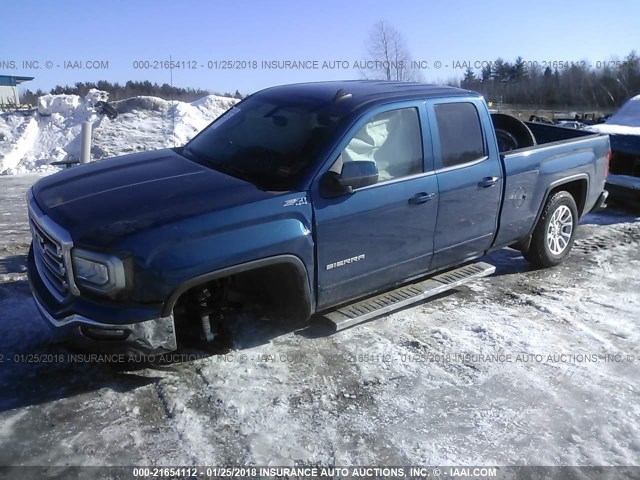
<point x="554" y="233"/>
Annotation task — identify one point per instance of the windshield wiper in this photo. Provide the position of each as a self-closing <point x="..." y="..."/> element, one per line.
<point x="236" y="172"/>
<point x="187" y="152"/>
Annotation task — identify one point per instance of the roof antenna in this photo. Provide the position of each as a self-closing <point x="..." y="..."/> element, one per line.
<point x="341" y="95"/>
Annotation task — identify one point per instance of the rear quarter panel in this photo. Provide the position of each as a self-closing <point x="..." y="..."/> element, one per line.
<point x="533" y="172"/>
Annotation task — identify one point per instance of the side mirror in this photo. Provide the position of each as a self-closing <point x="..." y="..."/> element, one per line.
<point x="354" y="175"/>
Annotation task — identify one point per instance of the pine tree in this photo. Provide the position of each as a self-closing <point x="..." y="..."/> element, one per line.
<point x="469" y="79"/>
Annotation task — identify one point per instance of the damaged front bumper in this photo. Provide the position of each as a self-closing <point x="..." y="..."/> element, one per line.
<point x="84" y="321"/>
<point x="151" y="337"/>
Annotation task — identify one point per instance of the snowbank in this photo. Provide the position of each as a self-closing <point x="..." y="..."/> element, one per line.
<point x="94" y="96"/>
<point x="63" y="104"/>
<point x="30" y="142"/>
<point x="17" y="139"/>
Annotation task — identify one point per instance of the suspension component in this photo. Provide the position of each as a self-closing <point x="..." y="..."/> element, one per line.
<point x="205" y="303"/>
<point x="202" y="296"/>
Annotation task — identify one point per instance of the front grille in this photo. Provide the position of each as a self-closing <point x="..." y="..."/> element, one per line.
<point x="49" y="260"/>
<point x="51" y="251"/>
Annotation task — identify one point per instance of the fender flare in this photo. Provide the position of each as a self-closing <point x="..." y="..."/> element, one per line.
<point x="294" y="261"/>
<point x="524" y="243"/>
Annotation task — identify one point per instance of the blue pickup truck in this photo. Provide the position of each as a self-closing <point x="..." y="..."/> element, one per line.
<point x="342" y="200"/>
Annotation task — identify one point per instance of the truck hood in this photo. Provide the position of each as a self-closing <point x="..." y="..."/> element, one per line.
<point x="101" y="202"/>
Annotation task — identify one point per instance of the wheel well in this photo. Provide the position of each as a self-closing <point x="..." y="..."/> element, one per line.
<point x="281" y="286"/>
<point x="577" y="189"/>
<point x="281" y="281"/>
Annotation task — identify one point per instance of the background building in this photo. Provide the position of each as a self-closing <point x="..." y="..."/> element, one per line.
<point x="9" y="89"/>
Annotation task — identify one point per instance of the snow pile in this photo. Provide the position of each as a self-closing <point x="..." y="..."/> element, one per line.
<point x="30" y="141"/>
<point x="94" y="96"/>
<point x="17" y="138"/>
<point x="63" y="104"/>
<point x="625" y="121"/>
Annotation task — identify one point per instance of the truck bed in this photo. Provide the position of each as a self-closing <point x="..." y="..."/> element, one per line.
<point x="545" y="133"/>
<point x="623" y="181"/>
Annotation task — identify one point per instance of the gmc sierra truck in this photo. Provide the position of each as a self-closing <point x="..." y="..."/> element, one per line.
<point x="339" y="200"/>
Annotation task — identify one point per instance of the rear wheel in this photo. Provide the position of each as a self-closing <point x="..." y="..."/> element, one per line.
<point x="555" y="231"/>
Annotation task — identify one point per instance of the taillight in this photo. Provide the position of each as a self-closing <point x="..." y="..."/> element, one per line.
<point x="606" y="165"/>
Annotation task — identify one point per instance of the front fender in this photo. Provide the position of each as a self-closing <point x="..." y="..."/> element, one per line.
<point x="168" y="256"/>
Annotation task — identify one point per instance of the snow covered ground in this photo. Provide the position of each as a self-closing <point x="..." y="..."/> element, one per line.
<point x="525" y="367"/>
<point x="30" y="141"/>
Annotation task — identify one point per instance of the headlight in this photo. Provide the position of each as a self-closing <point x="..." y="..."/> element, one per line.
<point x="98" y="272"/>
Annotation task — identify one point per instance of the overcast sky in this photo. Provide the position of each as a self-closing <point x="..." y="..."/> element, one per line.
<point x="204" y="32"/>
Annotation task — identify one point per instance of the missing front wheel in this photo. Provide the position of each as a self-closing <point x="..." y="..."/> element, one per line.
<point x="201" y="317"/>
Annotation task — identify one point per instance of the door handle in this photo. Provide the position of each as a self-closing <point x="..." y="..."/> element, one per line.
<point x="421" y="197"/>
<point x="487" y="182"/>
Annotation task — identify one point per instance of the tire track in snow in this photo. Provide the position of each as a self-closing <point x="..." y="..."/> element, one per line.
<point x="175" y="392"/>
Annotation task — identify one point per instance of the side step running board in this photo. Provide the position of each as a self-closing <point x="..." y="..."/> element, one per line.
<point x="355" y="313"/>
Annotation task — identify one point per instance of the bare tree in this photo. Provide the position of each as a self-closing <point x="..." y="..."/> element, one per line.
<point x="389" y="57"/>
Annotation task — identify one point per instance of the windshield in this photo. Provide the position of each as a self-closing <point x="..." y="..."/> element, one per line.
<point x="267" y="141"/>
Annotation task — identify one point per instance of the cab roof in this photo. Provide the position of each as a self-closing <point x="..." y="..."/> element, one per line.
<point x="353" y="94"/>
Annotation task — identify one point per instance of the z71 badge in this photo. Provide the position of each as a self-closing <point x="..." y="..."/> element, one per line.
<point x="294" y="202"/>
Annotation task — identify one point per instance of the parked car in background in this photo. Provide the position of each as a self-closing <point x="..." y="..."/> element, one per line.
<point x="570" y="124"/>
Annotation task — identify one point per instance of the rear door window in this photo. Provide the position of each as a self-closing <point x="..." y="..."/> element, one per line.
<point x="460" y="133"/>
